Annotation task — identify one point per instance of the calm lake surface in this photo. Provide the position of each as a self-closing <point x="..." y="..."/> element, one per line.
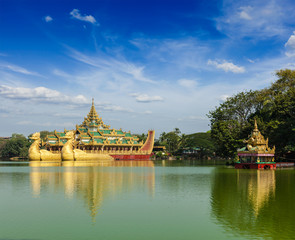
<point x="145" y="200"/>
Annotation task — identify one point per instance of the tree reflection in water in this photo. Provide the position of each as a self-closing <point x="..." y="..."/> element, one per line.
<point x="256" y="203"/>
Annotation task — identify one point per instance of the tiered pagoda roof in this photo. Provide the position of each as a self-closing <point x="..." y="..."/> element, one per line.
<point x="256" y="143"/>
<point x="92" y="120"/>
<point x="93" y="131"/>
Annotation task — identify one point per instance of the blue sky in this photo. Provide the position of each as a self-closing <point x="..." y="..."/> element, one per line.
<point x="148" y="64"/>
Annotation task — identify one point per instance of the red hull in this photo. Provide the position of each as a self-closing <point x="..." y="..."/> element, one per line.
<point x="255" y="165"/>
<point x="132" y="157"/>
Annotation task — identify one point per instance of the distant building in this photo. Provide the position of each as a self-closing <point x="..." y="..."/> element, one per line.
<point x="190" y="151"/>
<point x="159" y="149"/>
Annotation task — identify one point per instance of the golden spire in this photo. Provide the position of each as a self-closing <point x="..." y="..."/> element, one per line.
<point x="255" y="125"/>
<point x="92" y="119"/>
<point x="92" y="115"/>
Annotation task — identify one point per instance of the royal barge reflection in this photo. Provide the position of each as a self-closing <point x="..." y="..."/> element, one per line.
<point x="92" y="182"/>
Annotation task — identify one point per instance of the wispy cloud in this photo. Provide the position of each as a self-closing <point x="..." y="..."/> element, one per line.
<point x="146" y="98"/>
<point x="147" y="112"/>
<point x="226" y="66"/>
<point x="188" y="83"/>
<point x="182" y="53"/>
<point x="259" y="18"/>
<point x="40" y="94"/>
<point x="113" y="66"/>
<point x="61" y="73"/>
<point x="17" y="69"/>
<point x="86" y="18"/>
<point x="115" y="108"/>
<point x="48" y="18"/>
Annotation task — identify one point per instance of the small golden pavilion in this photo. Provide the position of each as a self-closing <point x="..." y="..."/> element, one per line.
<point x="257" y="154"/>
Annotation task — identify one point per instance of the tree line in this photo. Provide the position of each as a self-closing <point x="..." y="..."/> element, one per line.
<point x="175" y="142"/>
<point x="273" y="108"/>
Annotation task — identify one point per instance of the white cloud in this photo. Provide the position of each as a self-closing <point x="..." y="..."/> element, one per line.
<point x="290" y="46"/>
<point x="187" y="83"/>
<point x="17" y="69"/>
<point x="86" y="18"/>
<point x="244" y="14"/>
<point x="260" y="18"/>
<point x="226" y="66"/>
<point x="40" y="94"/>
<point x="291" y="41"/>
<point x="146" y="98"/>
<point x="48" y="19"/>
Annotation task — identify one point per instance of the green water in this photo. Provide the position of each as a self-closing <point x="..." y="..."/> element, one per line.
<point x="145" y="201"/>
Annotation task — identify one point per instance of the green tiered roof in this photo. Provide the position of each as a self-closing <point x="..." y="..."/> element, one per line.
<point x="93" y="131"/>
<point x="99" y="140"/>
<point x="104" y="131"/>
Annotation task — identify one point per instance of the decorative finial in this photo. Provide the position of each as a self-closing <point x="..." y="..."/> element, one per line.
<point x="92" y="101"/>
<point x="255" y="125"/>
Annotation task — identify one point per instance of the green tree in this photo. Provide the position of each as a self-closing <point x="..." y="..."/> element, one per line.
<point x="171" y="140"/>
<point x="17" y="146"/>
<point x="203" y="141"/>
<point x="230" y="121"/>
<point x="279" y="111"/>
<point x="142" y="137"/>
<point x="273" y="107"/>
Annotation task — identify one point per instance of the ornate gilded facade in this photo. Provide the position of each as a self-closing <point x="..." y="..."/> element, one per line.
<point x="256" y="150"/>
<point x="91" y="140"/>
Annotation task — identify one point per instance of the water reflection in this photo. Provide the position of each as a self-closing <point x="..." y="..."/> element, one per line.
<point x="92" y="182"/>
<point x="261" y="188"/>
<point x="254" y="203"/>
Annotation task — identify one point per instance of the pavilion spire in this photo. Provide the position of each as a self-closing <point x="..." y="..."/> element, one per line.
<point x="255" y="125"/>
<point x="92" y="115"/>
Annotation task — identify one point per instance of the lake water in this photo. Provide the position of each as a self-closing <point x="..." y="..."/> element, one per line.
<point x="144" y="200"/>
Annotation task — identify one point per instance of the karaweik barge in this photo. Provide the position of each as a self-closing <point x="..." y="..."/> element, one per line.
<point x="91" y="141"/>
